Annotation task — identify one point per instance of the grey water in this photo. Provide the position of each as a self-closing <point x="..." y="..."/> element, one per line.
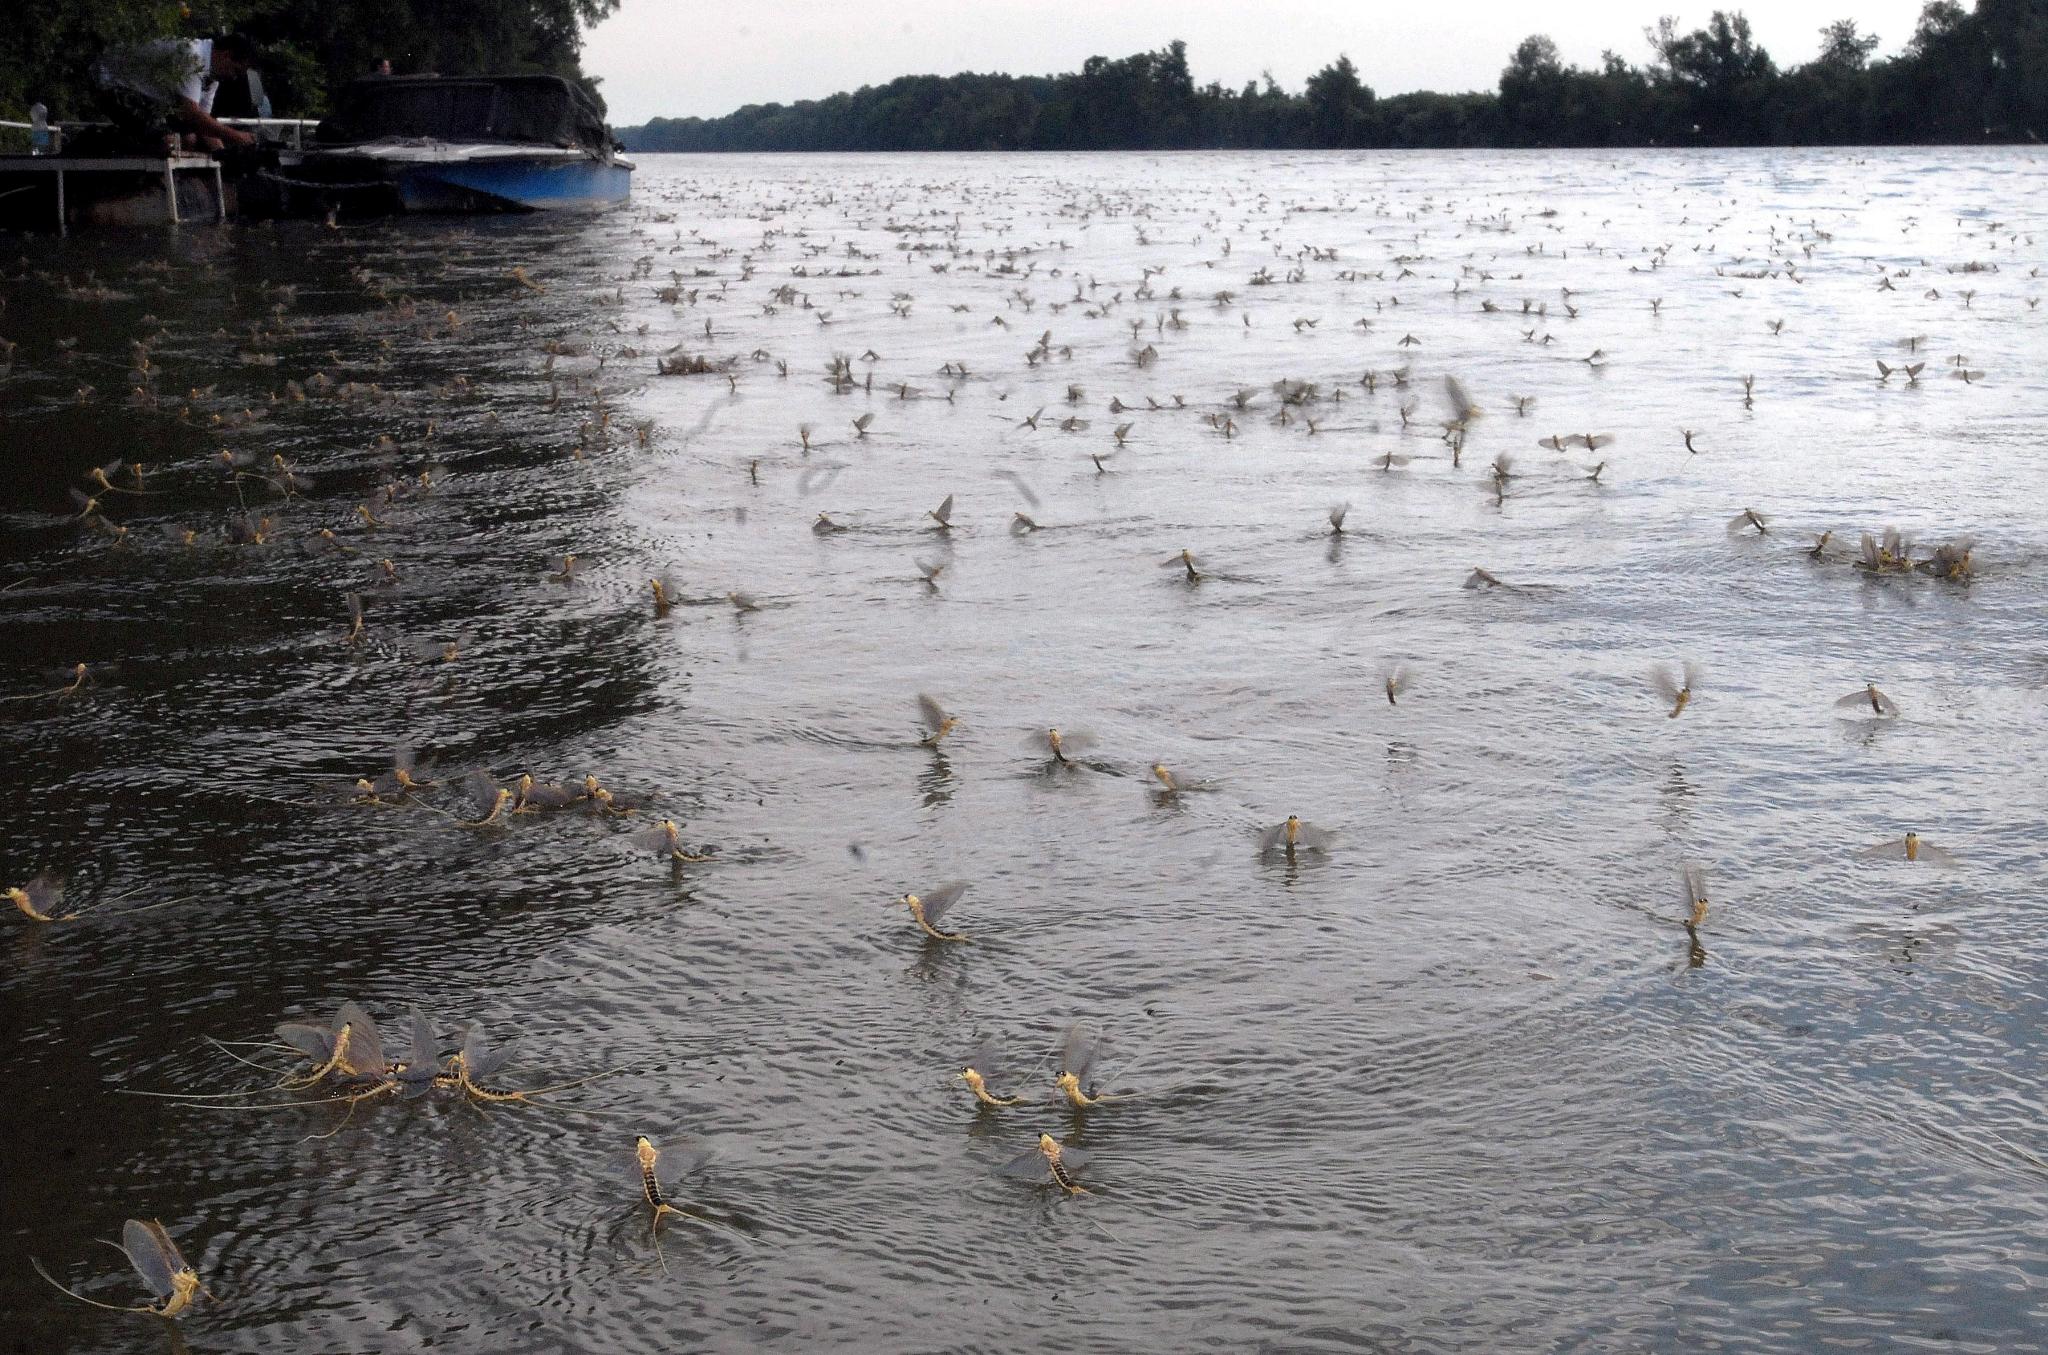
<point x="1464" y="1081"/>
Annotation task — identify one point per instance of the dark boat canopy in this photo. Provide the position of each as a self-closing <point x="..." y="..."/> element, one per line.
<point x="518" y="110"/>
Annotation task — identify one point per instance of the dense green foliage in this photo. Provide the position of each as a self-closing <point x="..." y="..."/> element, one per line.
<point x="48" y="47"/>
<point x="1963" y="76"/>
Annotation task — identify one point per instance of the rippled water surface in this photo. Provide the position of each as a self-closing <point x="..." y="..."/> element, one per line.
<point x="1464" y="1081"/>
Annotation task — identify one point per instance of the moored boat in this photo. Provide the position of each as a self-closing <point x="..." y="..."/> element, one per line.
<point x="482" y="143"/>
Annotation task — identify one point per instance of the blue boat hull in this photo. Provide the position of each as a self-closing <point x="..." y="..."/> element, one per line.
<point x="498" y="185"/>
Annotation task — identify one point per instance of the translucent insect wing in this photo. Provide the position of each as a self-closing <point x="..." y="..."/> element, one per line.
<point x="1272" y="837"/>
<point x="931" y="713"/>
<point x="650" y="839"/>
<point x="1026" y="1166"/>
<point x="1664" y="685"/>
<point x="982" y="1057"/>
<point x="45" y="892"/>
<point x="153" y="1254"/>
<point x="939" y="900"/>
<point x="478" y="1058"/>
<point x="1461" y="403"/>
<point x="1079" y="1052"/>
<point x="422" y="1054"/>
<point x="1695" y="882"/>
<point x="480" y="791"/>
<point x="315" y="1042"/>
<point x="364" y="1056"/>
<point x="676" y="1163"/>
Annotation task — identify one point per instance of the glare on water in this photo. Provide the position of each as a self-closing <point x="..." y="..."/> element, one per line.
<point x="1463" y="1061"/>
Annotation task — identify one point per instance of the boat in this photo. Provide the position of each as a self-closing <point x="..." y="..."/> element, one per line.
<point x="481" y="143"/>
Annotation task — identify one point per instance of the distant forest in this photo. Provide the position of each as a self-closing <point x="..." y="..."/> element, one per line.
<point x="1962" y="77"/>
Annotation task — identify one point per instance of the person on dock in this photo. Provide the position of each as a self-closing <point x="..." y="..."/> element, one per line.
<point x="155" y="91"/>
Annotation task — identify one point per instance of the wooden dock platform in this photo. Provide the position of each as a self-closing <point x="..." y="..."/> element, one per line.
<point x="18" y="172"/>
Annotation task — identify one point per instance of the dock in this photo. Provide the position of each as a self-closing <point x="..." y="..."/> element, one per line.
<point x="19" y="173"/>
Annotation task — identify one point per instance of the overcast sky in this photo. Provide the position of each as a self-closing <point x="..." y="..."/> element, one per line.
<point x="677" y="58"/>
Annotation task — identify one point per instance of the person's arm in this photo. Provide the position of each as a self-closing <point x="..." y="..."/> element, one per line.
<point x="205" y="123"/>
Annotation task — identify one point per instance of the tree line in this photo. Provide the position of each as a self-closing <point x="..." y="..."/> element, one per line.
<point x="1963" y="76"/>
<point x="310" y="47"/>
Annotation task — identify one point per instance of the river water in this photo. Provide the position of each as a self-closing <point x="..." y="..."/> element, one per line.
<point x="1464" y="1081"/>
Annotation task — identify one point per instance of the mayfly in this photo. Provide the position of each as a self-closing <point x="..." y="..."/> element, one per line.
<point x="1057" y="745"/>
<point x="1394" y="681"/>
<point x="439" y="651"/>
<point x="491" y="801"/>
<point x="160" y="1264"/>
<point x="665" y="837"/>
<point x="1184" y="561"/>
<point x="1049" y="1161"/>
<point x="605" y="800"/>
<point x="531" y="796"/>
<point x="1951" y="560"/>
<point x="1695" y="883"/>
<point x="975" y="1074"/>
<point x="937" y="723"/>
<point x="1173" y="783"/>
<point x="74" y="680"/>
<point x="1079" y="1052"/>
<point x="349" y="1048"/>
<point x="943" y="515"/>
<point x="1676" y="689"/>
<point x="1868" y="701"/>
<point x="1747" y="520"/>
<point x="656" y="1171"/>
<point x="1909" y="848"/>
<point x="648" y="1169"/>
<point x="1891" y="554"/>
<point x="40" y="899"/>
<point x="1293" y="835"/>
<point x="664" y="595"/>
<point x="471" y="1068"/>
<point x="929" y="909"/>
<point x="420" y="1071"/>
<point x="407" y="775"/>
